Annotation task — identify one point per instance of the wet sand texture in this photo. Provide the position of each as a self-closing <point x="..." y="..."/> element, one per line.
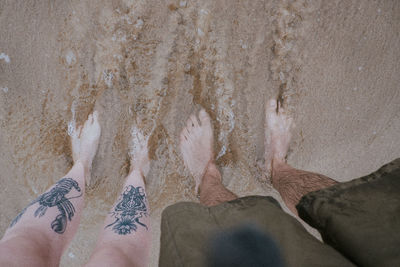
<point x="335" y="63"/>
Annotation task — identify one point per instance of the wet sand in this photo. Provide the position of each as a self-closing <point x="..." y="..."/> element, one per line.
<point x="334" y="63"/>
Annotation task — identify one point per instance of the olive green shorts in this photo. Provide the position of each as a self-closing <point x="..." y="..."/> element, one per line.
<point x="359" y="222"/>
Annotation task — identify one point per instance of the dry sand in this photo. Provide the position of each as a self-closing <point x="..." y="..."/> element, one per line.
<point x="335" y="63"/>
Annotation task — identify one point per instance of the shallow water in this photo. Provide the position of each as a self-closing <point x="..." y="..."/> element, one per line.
<point x="334" y="63"/>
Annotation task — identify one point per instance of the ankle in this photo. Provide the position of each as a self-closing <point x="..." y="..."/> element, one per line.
<point x="135" y="171"/>
<point x="211" y="176"/>
<point x="82" y="168"/>
<point x="212" y="171"/>
<point x="277" y="166"/>
<point x="84" y="162"/>
<point x="136" y="174"/>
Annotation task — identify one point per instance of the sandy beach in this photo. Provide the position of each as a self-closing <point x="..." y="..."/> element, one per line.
<point x="335" y="64"/>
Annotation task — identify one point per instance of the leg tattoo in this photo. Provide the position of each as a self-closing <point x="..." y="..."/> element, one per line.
<point x="130" y="208"/>
<point x="56" y="197"/>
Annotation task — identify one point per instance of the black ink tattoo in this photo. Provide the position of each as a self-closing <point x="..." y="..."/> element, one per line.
<point x="55" y="197"/>
<point x="130" y="208"/>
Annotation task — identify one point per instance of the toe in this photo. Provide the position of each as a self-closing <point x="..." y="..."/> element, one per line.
<point x="87" y="122"/>
<point x="282" y="111"/>
<point x="195" y="122"/>
<point x="182" y="132"/>
<point x="189" y="124"/>
<point x="271" y="106"/>
<point x="78" y="132"/>
<point x="204" y="117"/>
<point x="186" y="132"/>
<point x="182" y="137"/>
<point x="95" y="116"/>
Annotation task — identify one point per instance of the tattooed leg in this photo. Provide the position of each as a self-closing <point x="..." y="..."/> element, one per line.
<point x="291" y="183"/>
<point x="40" y="233"/>
<point x="125" y="239"/>
<point x="196" y="143"/>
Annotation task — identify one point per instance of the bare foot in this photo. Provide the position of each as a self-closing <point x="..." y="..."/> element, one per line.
<point x="196" y="144"/>
<point x="85" y="141"/>
<point x="139" y="151"/>
<point x="278" y="127"/>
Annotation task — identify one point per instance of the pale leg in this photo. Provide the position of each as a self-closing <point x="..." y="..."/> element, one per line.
<point x="41" y="232"/>
<point x="125" y="237"/>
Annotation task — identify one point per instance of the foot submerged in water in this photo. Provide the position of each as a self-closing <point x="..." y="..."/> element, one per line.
<point x="278" y="127"/>
<point x="196" y="144"/>
<point x="85" y="141"/>
<point x="139" y="151"/>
